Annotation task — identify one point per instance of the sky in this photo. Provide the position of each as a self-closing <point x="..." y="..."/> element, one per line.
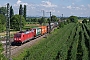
<point x="80" y="8"/>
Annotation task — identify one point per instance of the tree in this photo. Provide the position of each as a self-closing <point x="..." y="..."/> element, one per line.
<point x="3" y="10"/>
<point x="61" y="24"/>
<point x="54" y="18"/>
<point x="89" y="19"/>
<point x="41" y="20"/>
<point x="73" y="19"/>
<point x="2" y="22"/>
<point x="15" y="22"/>
<point x="24" y="14"/>
<point x="20" y="10"/>
<point x="48" y="20"/>
<point x="68" y="20"/>
<point x="11" y="12"/>
<point x="84" y="21"/>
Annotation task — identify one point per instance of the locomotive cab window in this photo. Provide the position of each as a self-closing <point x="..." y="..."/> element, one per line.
<point x="18" y="35"/>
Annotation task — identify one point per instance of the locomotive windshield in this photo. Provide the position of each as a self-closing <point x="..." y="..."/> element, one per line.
<point x="18" y="35"/>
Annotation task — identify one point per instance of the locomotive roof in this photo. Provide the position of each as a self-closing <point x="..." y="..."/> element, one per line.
<point x="26" y="32"/>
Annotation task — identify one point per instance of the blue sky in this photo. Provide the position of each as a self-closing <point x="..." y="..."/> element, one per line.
<point x="57" y="7"/>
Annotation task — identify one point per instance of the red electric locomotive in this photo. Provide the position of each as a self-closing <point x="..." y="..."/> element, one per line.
<point x="23" y="36"/>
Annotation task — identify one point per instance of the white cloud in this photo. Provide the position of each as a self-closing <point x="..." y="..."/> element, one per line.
<point x="63" y="7"/>
<point x="48" y="4"/>
<point x="76" y="7"/>
<point x="73" y="3"/>
<point x="0" y="5"/>
<point x="82" y="13"/>
<point x="72" y="13"/>
<point x="52" y="10"/>
<point x="20" y="2"/>
<point x="89" y="5"/>
<point x="58" y="11"/>
<point x="69" y="7"/>
<point x="82" y="6"/>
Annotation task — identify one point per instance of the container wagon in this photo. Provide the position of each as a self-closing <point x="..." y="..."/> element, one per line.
<point x="43" y="30"/>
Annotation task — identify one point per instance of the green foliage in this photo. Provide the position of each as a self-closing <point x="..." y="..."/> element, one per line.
<point x="54" y="18"/>
<point x="1" y="49"/>
<point x="65" y="22"/>
<point x="73" y="19"/>
<point x="89" y="20"/>
<point x="24" y="14"/>
<point x="32" y="19"/>
<point x="11" y="12"/>
<point x="85" y="42"/>
<point x="41" y="21"/>
<point x="3" y="10"/>
<point x="20" y="9"/>
<point x="2" y="22"/>
<point x="15" y="22"/>
<point x="48" y="20"/>
<point x="68" y="21"/>
<point x="2" y="17"/>
<point x="61" y="24"/>
<point x="2" y="57"/>
<point x="84" y="21"/>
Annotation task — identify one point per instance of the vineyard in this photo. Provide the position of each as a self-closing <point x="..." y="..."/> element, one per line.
<point x="72" y="42"/>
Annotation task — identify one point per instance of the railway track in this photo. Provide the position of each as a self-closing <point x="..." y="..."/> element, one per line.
<point x="17" y="49"/>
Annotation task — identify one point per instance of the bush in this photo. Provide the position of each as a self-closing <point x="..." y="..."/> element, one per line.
<point x="61" y="24"/>
<point x="84" y="21"/>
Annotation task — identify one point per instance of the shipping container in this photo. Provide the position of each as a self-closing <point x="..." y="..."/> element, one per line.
<point x="43" y="29"/>
<point x="37" y="31"/>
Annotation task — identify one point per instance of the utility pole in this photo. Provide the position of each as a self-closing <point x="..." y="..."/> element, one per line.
<point x="43" y="13"/>
<point x="62" y="17"/>
<point x="8" y="42"/>
<point x="43" y="17"/>
<point x="49" y="22"/>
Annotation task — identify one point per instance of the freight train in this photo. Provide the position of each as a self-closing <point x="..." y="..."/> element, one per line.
<point x="23" y="36"/>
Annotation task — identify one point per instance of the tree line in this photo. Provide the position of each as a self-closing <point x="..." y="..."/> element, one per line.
<point x="42" y="20"/>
